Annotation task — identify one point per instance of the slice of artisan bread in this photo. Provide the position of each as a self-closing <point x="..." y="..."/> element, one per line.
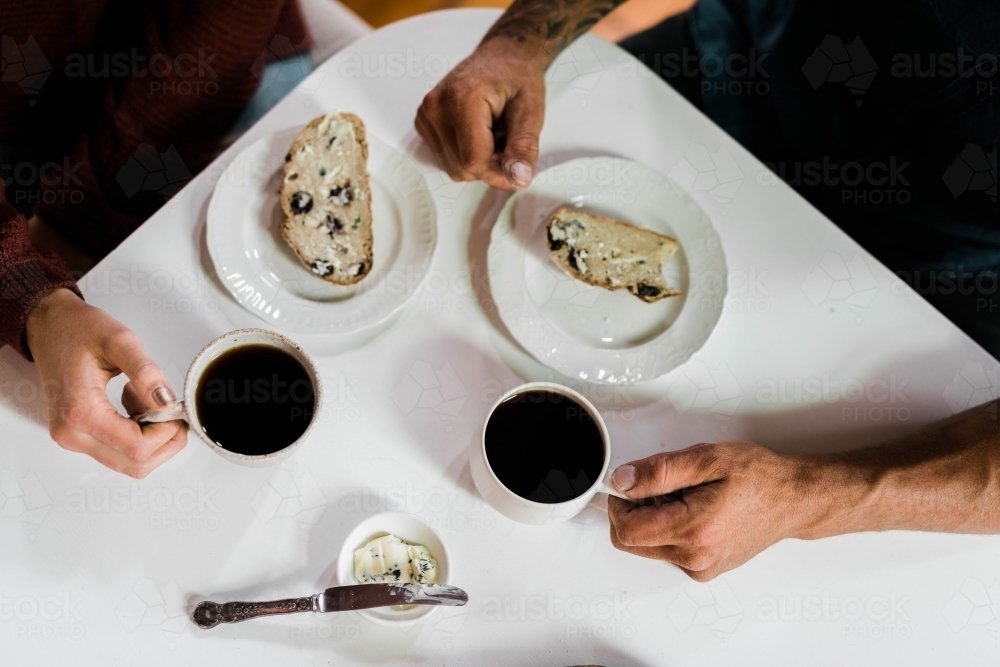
<point x="326" y="197"/>
<point x="607" y="253"/>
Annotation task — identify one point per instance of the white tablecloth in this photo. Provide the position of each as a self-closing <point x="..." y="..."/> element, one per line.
<point x="819" y="348"/>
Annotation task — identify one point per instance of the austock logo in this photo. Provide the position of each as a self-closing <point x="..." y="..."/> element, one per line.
<point x="879" y="617"/>
<point x="353" y="65"/>
<point x="715" y="173"/>
<point x="292" y="494"/>
<point x="880" y="182"/>
<point x="181" y="73"/>
<point x="710" y="606"/>
<point x="325" y="630"/>
<point x="52" y="615"/>
<point x="959" y="64"/>
<point x="63" y="606"/>
<point x="151" y="605"/>
<point x="981" y="284"/>
<point x="597" y="617"/>
<point x="735" y="74"/>
<point x="972" y="386"/>
<point x="150" y="171"/>
<point x="23" y="499"/>
<point x="700" y="387"/>
<point x="447" y="623"/>
<point x="835" y="62"/>
<point x="550" y="283"/>
<point x="745" y="290"/>
<point x="433" y="180"/>
<point x="435" y="633"/>
<point x="974" y="605"/>
<point x="834" y="280"/>
<point x="974" y="170"/>
<point x="183" y="508"/>
<point x="452" y="508"/>
<point x="577" y="67"/>
<point x="876" y="399"/>
<point x="24" y="64"/>
<point x="290" y="61"/>
<point x="48" y="182"/>
<point x="426" y="387"/>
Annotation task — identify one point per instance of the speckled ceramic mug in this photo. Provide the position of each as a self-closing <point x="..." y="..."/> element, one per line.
<point x="186" y="409"/>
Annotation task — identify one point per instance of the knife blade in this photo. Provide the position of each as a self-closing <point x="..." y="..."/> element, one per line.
<point x="366" y="596"/>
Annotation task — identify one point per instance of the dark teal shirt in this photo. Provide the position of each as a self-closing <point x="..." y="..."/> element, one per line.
<point x="884" y="113"/>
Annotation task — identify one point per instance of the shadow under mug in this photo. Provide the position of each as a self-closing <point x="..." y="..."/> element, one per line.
<point x="186" y="409"/>
<point x="518" y="508"/>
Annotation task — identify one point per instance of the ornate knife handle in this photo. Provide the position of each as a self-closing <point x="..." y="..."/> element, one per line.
<point x="209" y="614"/>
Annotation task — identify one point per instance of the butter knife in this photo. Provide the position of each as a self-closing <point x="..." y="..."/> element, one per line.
<point x="339" y="598"/>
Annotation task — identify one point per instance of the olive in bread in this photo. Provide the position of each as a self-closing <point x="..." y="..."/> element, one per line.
<point x="611" y="254"/>
<point x="326" y="198"/>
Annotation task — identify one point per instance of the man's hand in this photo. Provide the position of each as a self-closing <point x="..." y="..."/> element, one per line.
<point x="78" y="348"/>
<point x="495" y="95"/>
<point x="483" y="119"/>
<point x="738" y="499"/>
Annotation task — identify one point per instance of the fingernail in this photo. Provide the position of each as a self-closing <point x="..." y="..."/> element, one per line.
<point x="624" y="477"/>
<point x="520" y="173"/>
<point x="163" y="396"/>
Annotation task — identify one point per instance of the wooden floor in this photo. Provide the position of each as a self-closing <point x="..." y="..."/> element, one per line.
<point x="382" y="12"/>
<point x="630" y="18"/>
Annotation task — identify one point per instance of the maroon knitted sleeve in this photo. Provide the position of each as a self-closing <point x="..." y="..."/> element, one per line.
<point x="26" y="275"/>
<point x="157" y="126"/>
<point x="198" y="65"/>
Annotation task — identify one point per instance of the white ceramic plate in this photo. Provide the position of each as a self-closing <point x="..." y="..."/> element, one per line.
<point x="408" y="528"/>
<point x="588" y="332"/>
<point x="266" y="277"/>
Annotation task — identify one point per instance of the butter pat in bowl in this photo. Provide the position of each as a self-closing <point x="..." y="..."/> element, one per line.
<point x="393" y="546"/>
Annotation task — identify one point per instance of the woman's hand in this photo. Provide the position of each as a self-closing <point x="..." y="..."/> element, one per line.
<point x="77" y="349"/>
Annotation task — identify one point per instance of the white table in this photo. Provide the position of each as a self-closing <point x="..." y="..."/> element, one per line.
<point x="98" y="569"/>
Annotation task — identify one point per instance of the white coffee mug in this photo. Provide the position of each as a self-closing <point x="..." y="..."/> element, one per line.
<point x="521" y="509"/>
<point x="185" y="409"/>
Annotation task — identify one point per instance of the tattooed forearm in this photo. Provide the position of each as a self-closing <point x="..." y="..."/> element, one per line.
<point x="550" y="24"/>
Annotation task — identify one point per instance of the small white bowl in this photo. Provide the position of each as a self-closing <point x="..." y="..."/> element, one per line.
<point x="408" y="528"/>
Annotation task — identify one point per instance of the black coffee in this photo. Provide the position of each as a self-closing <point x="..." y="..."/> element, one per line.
<point x="544" y="446"/>
<point x="255" y="400"/>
